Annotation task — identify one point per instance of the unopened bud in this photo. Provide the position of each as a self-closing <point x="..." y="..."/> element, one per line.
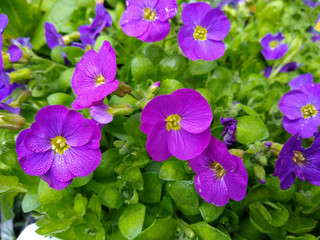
<point x="120" y="109"/>
<point x="154" y="88"/>
<point x="11" y="121"/>
<point x="71" y="37"/>
<point x="6" y="59"/>
<point x="259" y="172"/>
<point x="238" y="152"/>
<point x="125" y="149"/>
<point x="20" y="98"/>
<point x="20" y="75"/>
<point x="122" y="90"/>
<point x="276" y="148"/>
<point x="119" y="143"/>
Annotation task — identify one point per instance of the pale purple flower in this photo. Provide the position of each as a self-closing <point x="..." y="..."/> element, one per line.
<point x="311" y="3"/>
<point x="219" y="175"/>
<point x="94" y="77"/>
<point x="289" y="67"/>
<point x="177" y="124"/>
<point x="272" y="47"/>
<point x="302" y="110"/>
<point x="100" y="114"/>
<point x="15" y="53"/>
<point x="53" y="38"/>
<point x="148" y="20"/>
<point x="22" y="41"/>
<point x="59" y="146"/>
<point x="230" y="128"/>
<point x="300" y="81"/>
<point x="89" y="33"/>
<point x="232" y="3"/>
<point x="7" y="107"/>
<point x="296" y="161"/>
<point x="203" y="31"/>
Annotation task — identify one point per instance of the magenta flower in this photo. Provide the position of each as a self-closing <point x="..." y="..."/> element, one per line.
<point x="59" y="146"/>
<point x="53" y="38"/>
<point x="271" y="47"/>
<point x="289" y="67"/>
<point x="204" y="28"/>
<point x="300" y="81"/>
<point x="296" y="161"/>
<point x="219" y="175"/>
<point x="230" y="128"/>
<point x="302" y="110"/>
<point x="148" y="20"/>
<point x="94" y="77"/>
<point x="177" y="124"/>
<point x="100" y="114"/>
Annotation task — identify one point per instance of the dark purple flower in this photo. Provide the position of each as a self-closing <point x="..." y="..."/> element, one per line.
<point x="272" y="49"/>
<point x="268" y="144"/>
<point x="89" y="33"/>
<point x="5" y="87"/>
<point x="100" y="114"/>
<point x="148" y="20"/>
<point x="289" y="67"/>
<point x="301" y="80"/>
<point x="296" y="161"/>
<point x="201" y="35"/>
<point x="22" y="41"/>
<point x="302" y="110"/>
<point x="311" y="3"/>
<point x="177" y="124"/>
<point x="59" y="146"/>
<point x="230" y="127"/>
<point x="219" y="175"/>
<point x="15" y="53"/>
<point x="94" y="77"/>
<point x="53" y="38"/>
<point x="7" y="107"/>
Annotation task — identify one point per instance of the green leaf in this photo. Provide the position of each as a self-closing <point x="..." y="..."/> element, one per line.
<point x="111" y="197"/>
<point x="300" y="225"/>
<point x="142" y="69"/>
<point x="279" y="214"/>
<point x="60" y="99"/>
<point x="110" y="159"/>
<point x="250" y="129"/>
<point x="168" y="86"/>
<point x="207" y="232"/>
<point x="184" y="196"/>
<point x="160" y="229"/>
<point x="54" y="226"/>
<point x="201" y="67"/>
<point x="81" y="181"/>
<point x="131" y="175"/>
<point x="154" y="53"/>
<point x="74" y="54"/>
<point x="152" y="188"/>
<point x="95" y="205"/>
<point x="80" y="204"/>
<point x="48" y="194"/>
<point x="136" y="136"/>
<point x="220" y="83"/>
<point x="30" y="200"/>
<point x="305" y="237"/>
<point x="65" y="79"/>
<point x="173" y="170"/>
<point x="210" y="212"/>
<point x="131" y="220"/>
<point x="172" y="66"/>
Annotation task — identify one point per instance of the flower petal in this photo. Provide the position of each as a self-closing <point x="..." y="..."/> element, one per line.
<point x="166" y="9"/>
<point x="107" y="61"/>
<point x="157" y="145"/>
<point x="156" y="31"/>
<point x="312" y="90"/>
<point x="132" y="22"/>
<point x="211" y="189"/>
<point x="37" y="140"/>
<point x="187" y="42"/>
<point x="291" y="103"/>
<point x="306" y="128"/>
<point x="53" y="181"/>
<point x="209" y="50"/>
<point x="20" y="146"/>
<point x="184" y="145"/>
<point x="193" y="13"/>
<point x="312" y="175"/>
<point x="287" y="181"/>
<point x="237" y="182"/>
<point x="100" y="114"/>
<point x="15" y="53"/>
<point x="60" y="168"/>
<point x="195" y="111"/>
<point x="3" y="22"/>
<point x="300" y="81"/>
<point x="217" y="24"/>
<point x="37" y="163"/>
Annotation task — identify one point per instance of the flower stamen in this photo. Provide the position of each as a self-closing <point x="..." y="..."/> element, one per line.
<point x="220" y="172"/>
<point x="200" y="33"/>
<point x="173" y="122"/>
<point x="309" y="111"/>
<point x="298" y="158"/>
<point x="59" y="145"/>
<point x="273" y="44"/>
<point x="149" y="15"/>
<point x="100" y="80"/>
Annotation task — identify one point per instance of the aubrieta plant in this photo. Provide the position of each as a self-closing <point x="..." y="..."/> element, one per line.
<point x="160" y="119"/>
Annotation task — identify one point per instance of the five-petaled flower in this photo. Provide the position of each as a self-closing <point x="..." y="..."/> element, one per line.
<point x="302" y="110"/>
<point x="201" y="35"/>
<point x="272" y="48"/>
<point x="300" y="81"/>
<point x="59" y="146"/>
<point x="94" y="77"/>
<point x="219" y="175"/>
<point x="296" y="161"/>
<point x="177" y="124"/>
<point x="148" y="20"/>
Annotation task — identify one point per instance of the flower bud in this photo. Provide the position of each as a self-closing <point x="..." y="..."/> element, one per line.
<point x="122" y="90"/>
<point x="11" y="121"/>
<point x="238" y="152"/>
<point x="20" y="75"/>
<point x="154" y="88"/>
<point x="119" y="143"/>
<point x="71" y="37"/>
<point x="259" y="172"/>
<point x="120" y="109"/>
<point x="22" y="97"/>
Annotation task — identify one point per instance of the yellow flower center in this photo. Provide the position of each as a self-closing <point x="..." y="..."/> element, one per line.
<point x="317" y="27"/>
<point x="273" y="44"/>
<point x="200" y="33"/>
<point x="59" y="145"/>
<point x="220" y="172"/>
<point x="309" y="111"/>
<point x="173" y="122"/>
<point x="298" y="158"/>
<point x="100" y="80"/>
<point x="148" y="14"/>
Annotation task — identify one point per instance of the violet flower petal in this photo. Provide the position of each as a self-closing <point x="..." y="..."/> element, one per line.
<point x="3" y="22"/>
<point x="187" y="42"/>
<point x="156" y="31"/>
<point x="291" y="103"/>
<point x="300" y="80"/>
<point x="54" y="182"/>
<point x="132" y="23"/>
<point x="53" y="38"/>
<point x="166" y="9"/>
<point x="15" y="53"/>
<point x="192" y="13"/>
<point x="209" y="50"/>
<point x="100" y="114"/>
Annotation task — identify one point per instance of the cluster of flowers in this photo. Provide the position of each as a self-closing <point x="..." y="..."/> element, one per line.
<point x="182" y="129"/>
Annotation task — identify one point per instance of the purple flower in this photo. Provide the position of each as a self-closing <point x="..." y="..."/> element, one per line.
<point x="53" y="38"/>
<point x="232" y="3"/>
<point x="272" y="49"/>
<point x="300" y="81"/>
<point x="302" y="110"/>
<point x="230" y="127"/>
<point x="296" y="161"/>
<point x="94" y="77"/>
<point x="177" y="124"/>
<point x="311" y="3"/>
<point x="15" y="53"/>
<point x="22" y="41"/>
<point x="3" y="22"/>
<point x="5" y="106"/>
<point x="59" y="146"/>
<point x="5" y="87"/>
<point x="148" y="20"/>
<point x="100" y="114"/>
<point x="89" y="33"/>
<point x="204" y="28"/>
<point x="219" y="175"/>
<point x="289" y="67"/>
